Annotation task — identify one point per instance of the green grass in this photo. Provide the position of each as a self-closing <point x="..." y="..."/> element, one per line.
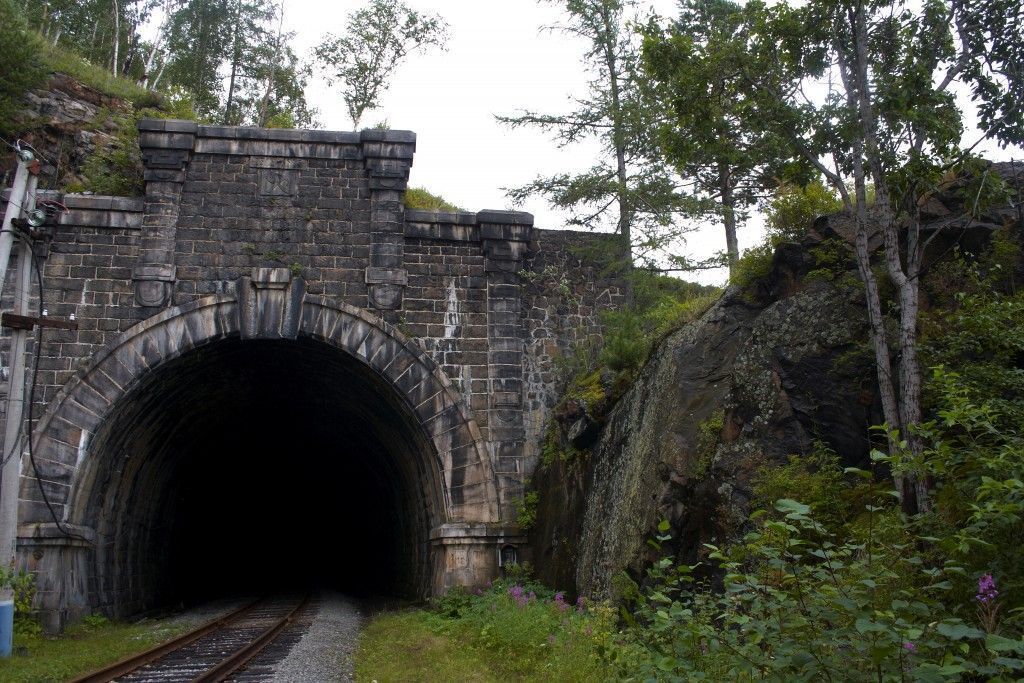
<point x="415" y="646"/>
<point x="490" y="637"/>
<point x="80" y="650"/>
<point x="93" y="76"/>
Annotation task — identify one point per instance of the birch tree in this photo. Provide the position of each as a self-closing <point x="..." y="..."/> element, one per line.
<point x="377" y="39"/>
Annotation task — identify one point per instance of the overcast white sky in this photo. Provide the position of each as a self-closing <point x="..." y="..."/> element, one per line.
<point x="499" y="61"/>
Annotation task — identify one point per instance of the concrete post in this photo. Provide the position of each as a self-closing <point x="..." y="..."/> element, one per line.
<point x="14" y="202"/>
<point x="10" y="474"/>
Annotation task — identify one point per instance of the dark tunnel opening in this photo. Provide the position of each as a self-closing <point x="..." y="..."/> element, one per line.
<point x="252" y="467"/>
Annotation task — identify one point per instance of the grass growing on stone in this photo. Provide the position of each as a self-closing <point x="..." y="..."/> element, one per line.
<point x="58" y="59"/>
<point x="81" y="649"/>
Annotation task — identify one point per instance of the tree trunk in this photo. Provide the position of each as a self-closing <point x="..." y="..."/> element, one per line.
<point x="265" y="102"/>
<point x="728" y="216"/>
<point x="160" y="74"/>
<point x="914" y="491"/>
<point x="235" y="58"/>
<point x="610" y="31"/>
<point x="116" y="58"/>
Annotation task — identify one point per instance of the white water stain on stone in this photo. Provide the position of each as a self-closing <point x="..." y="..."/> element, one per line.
<point x="452" y="312"/>
<point x="83" y="447"/>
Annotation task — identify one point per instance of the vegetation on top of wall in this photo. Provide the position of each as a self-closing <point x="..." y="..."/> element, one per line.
<point x="423" y="200"/>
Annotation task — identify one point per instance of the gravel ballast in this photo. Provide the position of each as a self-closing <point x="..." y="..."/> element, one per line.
<point x="325" y="652"/>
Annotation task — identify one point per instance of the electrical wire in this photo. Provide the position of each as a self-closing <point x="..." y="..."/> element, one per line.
<point x="30" y="427"/>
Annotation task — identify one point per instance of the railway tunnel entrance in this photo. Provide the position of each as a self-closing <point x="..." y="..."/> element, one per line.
<point x="258" y="442"/>
<point x="259" y="466"/>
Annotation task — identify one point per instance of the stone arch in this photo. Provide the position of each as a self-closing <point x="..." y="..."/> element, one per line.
<point x="270" y="306"/>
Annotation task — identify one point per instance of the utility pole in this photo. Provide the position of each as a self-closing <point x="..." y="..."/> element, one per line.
<point x="27" y="165"/>
<point x="10" y="474"/>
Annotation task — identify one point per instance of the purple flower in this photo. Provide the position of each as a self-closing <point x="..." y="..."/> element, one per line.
<point x="910" y="647"/>
<point x="581" y="604"/>
<point x="986" y="589"/>
<point x="560" y="601"/>
<point x="551" y="639"/>
<point x="516" y="591"/>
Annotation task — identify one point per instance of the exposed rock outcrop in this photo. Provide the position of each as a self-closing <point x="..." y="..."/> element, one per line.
<point x="764" y="374"/>
<point x="68" y="122"/>
<point x="762" y="383"/>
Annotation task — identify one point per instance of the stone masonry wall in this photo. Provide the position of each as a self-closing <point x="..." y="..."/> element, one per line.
<point x="221" y="202"/>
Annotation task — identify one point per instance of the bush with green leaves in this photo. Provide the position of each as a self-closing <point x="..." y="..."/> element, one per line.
<point x="660" y="305"/>
<point x="539" y="632"/>
<point x="23" y="586"/>
<point x="790" y="214"/>
<point x="792" y="210"/>
<point x="875" y="596"/>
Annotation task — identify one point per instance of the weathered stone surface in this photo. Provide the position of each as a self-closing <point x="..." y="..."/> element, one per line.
<point x="771" y="384"/>
<point x="249" y="235"/>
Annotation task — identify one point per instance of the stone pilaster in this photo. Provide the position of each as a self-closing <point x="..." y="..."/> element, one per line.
<point x="505" y="236"/>
<point x="388" y="157"/>
<point x="166" y="150"/>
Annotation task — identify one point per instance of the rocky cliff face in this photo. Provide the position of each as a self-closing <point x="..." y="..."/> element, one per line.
<point x="764" y="374"/>
<point x="743" y="386"/>
<point x="68" y="122"/>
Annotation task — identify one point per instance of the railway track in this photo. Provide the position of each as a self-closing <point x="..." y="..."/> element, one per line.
<point x="213" y="652"/>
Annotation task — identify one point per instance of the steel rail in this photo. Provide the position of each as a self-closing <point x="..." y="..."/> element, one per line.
<point x="240" y="657"/>
<point x="137" y="661"/>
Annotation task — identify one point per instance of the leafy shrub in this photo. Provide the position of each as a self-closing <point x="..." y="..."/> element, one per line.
<point x="660" y="305"/>
<point x="790" y="214"/>
<point x="982" y="336"/>
<point x="23" y="585"/>
<point x="754" y="265"/>
<point x="807" y="597"/>
<point x="793" y="209"/>
<point x="526" y="510"/>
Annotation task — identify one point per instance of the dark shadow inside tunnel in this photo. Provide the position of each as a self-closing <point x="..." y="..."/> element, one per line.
<point x="247" y="467"/>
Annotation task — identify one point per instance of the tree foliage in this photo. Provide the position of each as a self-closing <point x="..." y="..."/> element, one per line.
<point x="230" y="57"/>
<point x="628" y="188"/>
<point x="377" y="39"/>
<point x="711" y="135"/>
<point x="884" y="118"/>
